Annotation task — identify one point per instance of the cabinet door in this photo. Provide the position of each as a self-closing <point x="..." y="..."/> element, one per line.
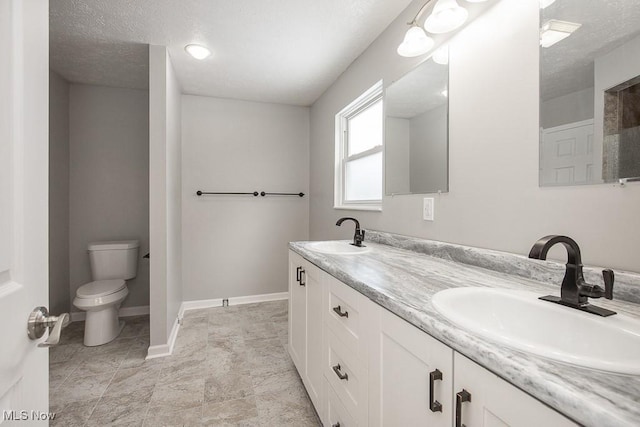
<point x="403" y="360"/>
<point x="496" y="403"/>
<point x="297" y="312"/>
<point x="313" y="376"/>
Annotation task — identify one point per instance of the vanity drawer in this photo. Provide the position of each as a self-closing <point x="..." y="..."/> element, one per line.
<point x="347" y="375"/>
<point x="336" y="414"/>
<point x="344" y="310"/>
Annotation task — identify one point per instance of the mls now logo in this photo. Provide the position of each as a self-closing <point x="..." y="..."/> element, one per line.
<point x="27" y="415"/>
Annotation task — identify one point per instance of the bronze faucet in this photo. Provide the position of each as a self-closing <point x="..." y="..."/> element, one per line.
<point x="575" y="291"/>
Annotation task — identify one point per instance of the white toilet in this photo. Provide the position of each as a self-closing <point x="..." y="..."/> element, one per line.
<point x="111" y="264"/>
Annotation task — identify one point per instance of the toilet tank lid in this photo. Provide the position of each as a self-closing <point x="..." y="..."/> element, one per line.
<point x="115" y="244"/>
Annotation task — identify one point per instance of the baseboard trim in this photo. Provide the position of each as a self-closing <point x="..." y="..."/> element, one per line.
<point x="165" y="350"/>
<point x="249" y="299"/>
<point x="80" y="316"/>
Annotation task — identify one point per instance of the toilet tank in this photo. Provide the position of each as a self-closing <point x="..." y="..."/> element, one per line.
<point x="114" y="259"/>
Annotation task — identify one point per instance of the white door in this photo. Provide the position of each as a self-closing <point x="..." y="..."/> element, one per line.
<point x="485" y="400"/>
<point x="297" y="312"/>
<point x="410" y="375"/>
<point x="24" y="86"/>
<point x="567" y="155"/>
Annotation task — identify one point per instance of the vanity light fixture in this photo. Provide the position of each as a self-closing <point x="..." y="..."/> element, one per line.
<point x="447" y="15"/>
<point x="554" y="31"/>
<point x="441" y="55"/>
<point x="197" y="51"/>
<point x="416" y="42"/>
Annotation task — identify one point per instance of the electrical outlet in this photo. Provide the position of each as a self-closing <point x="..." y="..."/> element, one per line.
<point x="428" y="209"/>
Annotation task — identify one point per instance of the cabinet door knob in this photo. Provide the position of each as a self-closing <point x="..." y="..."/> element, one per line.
<point x="434" y="405"/>
<point x="461" y="397"/>
<point x="340" y="313"/>
<point x="336" y="424"/>
<point x="337" y="370"/>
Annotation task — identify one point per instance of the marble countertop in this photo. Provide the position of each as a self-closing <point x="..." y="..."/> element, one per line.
<point x="403" y="281"/>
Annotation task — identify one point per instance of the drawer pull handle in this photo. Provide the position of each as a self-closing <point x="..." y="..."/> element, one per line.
<point x="434" y="405"/>
<point x="340" y="313"/>
<point x="340" y="375"/>
<point x="303" y="277"/>
<point x="298" y="269"/>
<point x="461" y="397"/>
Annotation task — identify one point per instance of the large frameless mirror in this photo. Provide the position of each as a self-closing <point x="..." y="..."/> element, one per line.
<point x="589" y="91"/>
<point x="416" y="131"/>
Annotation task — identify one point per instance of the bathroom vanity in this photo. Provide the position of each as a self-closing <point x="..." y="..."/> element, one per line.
<point x="372" y="350"/>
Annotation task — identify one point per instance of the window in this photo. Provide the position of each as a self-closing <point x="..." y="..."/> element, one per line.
<point x="359" y="140"/>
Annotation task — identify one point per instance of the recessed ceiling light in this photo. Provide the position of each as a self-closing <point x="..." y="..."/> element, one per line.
<point x="554" y="31"/>
<point x="197" y="51"/>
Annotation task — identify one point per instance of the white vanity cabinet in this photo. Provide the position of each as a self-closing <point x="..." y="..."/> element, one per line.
<point x="411" y="375"/>
<point x="496" y="403"/>
<point x="364" y="366"/>
<point x="306" y="326"/>
<point x="346" y="348"/>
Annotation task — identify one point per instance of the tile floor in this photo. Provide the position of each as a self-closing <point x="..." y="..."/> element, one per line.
<point x="230" y="367"/>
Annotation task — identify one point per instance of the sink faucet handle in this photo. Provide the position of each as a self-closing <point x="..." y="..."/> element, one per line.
<point x="609" y="277"/>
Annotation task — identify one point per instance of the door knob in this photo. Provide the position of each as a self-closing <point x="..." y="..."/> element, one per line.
<point x="40" y="321"/>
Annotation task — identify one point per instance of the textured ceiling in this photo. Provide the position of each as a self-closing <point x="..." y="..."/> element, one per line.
<point x="418" y="91"/>
<point x="284" y="51"/>
<point x="606" y="24"/>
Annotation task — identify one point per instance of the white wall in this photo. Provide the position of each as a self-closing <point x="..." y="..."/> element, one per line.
<point x="59" y="301"/>
<point x="494" y="199"/>
<point x="109" y="170"/>
<point x="429" y="151"/>
<point x="165" y="147"/>
<point x="237" y="245"/>
<point x="570" y="108"/>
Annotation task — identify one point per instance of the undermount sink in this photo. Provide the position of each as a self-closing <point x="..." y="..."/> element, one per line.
<point x="337" y="248"/>
<point x="520" y="320"/>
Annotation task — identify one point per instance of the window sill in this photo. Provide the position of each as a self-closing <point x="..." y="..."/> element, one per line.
<point x="375" y="208"/>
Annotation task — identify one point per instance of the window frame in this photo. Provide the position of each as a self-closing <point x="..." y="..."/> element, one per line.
<point x="361" y="103"/>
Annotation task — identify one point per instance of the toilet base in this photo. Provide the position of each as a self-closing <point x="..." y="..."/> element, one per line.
<point x="102" y="326"/>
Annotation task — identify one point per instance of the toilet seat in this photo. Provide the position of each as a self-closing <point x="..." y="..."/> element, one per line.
<point x="100" y="288"/>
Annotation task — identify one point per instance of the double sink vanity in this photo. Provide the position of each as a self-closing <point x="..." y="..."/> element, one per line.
<point x="411" y="332"/>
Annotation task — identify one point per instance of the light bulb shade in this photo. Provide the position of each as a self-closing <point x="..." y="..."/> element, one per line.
<point x="416" y="42"/>
<point x="441" y="55"/>
<point x="197" y="51"/>
<point x="446" y="16"/>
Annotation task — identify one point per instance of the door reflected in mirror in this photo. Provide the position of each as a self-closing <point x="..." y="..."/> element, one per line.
<point x="416" y="131"/>
<point x="589" y="92"/>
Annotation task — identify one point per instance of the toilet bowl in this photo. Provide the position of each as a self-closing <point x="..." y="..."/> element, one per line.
<point x="101" y="300"/>
<point x="112" y="263"/>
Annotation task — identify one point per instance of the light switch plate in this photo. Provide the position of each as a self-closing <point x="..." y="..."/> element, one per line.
<point x="428" y="209"/>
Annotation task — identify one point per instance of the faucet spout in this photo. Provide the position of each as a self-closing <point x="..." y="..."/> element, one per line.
<point x="575" y="291"/>
<point x="358" y="237"/>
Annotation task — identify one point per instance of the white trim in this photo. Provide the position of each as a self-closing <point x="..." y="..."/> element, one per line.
<point x="373" y="95"/>
<point x="375" y="208"/>
<point x="164" y="350"/>
<point x="249" y="299"/>
<point x="80" y="316"/>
